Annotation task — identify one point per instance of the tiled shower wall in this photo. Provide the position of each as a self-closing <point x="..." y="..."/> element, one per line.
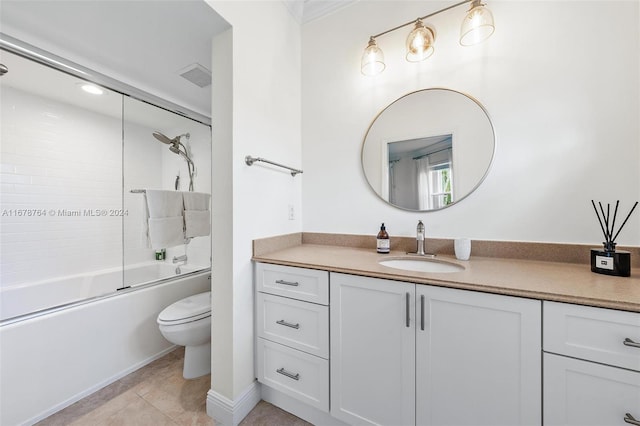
<point x="61" y="169"/>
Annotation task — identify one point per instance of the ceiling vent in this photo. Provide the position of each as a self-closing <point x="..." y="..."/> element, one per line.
<point x="196" y="74"/>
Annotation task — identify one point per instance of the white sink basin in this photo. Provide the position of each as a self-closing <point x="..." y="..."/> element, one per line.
<point x="422" y="265"/>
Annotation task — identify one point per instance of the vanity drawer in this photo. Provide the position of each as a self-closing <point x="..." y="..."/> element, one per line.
<point x="295" y="373"/>
<point x="298" y="283"/>
<point x="301" y="325"/>
<point x="595" y="334"/>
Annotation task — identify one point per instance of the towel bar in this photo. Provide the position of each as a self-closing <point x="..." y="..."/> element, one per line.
<point x="250" y="160"/>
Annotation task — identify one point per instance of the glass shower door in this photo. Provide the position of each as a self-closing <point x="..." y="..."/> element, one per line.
<point x="167" y="165"/>
<point x="61" y="149"/>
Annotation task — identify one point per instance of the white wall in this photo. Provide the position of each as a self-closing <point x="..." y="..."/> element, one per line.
<point x="256" y="66"/>
<point x="560" y="80"/>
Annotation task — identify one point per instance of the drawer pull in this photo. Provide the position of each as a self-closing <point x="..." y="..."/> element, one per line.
<point x="288" y="324"/>
<point x="289" y="375"/>
<point x="629" y="342"/>
<point x="628" y="418"/>
<point x="291" y="283"/>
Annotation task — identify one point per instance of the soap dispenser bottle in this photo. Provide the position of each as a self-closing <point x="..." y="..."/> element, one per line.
<point x="382" y="240"/>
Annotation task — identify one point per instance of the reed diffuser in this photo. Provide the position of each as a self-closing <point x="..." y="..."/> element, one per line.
<point x="609" y="261"/>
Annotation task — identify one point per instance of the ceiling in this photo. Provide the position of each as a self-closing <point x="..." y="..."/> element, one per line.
<point x="307" y="10"/>
<point x="142" y="43"/>
<point x="33" y="79"/>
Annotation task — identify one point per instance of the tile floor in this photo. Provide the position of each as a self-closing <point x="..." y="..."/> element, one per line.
<point x="157" y="395"/>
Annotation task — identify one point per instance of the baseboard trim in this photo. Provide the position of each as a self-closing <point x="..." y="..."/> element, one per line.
<point x="226" y="412"/>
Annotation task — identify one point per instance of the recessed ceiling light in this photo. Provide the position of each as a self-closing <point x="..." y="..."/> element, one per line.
<point x="91" y="88"/>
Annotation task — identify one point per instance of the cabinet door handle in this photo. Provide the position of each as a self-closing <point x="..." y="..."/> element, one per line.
<point x="628" y="418"/>
<point x="408" y="296"/>
<point x="291" y="283"/>
<point x="289" y="375"/>
<point x="422" y="312"/>
<point x="288" y="324"/>
<point x="629" y="342"/>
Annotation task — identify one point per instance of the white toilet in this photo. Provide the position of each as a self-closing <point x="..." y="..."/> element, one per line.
<point x="187" y="323"/>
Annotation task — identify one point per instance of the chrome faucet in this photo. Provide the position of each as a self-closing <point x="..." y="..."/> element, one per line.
<point x="182" y="258"/>
<point x="420" y="238"/>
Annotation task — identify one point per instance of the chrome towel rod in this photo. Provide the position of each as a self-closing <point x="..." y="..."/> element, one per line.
<point x="250" y="160"/>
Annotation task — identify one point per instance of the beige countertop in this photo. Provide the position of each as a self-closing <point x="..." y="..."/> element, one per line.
<point x="562" y="282"/>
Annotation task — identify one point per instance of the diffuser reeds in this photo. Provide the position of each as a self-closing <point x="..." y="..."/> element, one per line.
<point x="610" y="239"/>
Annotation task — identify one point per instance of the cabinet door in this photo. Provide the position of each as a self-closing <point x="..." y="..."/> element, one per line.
<point x="584" y="393"/>
<point x="478" y="358"/>
<point x="372" y="350"/>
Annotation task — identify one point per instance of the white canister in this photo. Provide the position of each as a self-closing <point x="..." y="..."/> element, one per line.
<point x="462" y="248"/>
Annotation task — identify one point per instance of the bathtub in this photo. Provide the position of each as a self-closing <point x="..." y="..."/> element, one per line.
<point x="55" y="357"/>
<point x="35" y="297"/>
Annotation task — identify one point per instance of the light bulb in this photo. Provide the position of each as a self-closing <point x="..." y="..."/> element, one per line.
<point x="372" y="59"/>
<point x="420" y="43"/>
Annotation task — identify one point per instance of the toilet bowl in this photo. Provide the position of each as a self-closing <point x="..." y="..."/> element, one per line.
<point x="187" y="323"/>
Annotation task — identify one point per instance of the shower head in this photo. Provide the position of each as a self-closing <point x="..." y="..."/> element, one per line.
<point x="164" y="139"/>
<point x="175" y="149"/>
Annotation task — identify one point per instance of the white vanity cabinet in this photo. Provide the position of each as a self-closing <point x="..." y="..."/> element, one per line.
<point x="372" y="350"/>
<point x="404" y="354"/>
<point x="591" y="366"/>
<point x="292" y="323"/>
<point x="478" y="358"/>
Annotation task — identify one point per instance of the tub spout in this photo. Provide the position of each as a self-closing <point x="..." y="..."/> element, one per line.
<point x="182" y="258"/>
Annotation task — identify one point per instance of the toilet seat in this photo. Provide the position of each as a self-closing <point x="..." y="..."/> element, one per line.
<point x="192" y="308"/>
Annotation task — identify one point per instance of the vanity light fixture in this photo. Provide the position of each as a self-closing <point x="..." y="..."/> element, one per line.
<point x="476" y="27"/>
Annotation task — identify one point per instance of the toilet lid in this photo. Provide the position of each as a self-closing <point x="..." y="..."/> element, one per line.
<point x="190" y="308"/>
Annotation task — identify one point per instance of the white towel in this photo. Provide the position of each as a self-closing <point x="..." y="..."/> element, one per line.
<point x="161" y="203"/>
<point x="197" y="223"/>
<point x="164" y="218"/>
<point x="196" y="200"/>
<point x="166" y="232"/>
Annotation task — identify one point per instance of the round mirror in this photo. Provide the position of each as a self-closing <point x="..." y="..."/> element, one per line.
<point x="428" y="149"/>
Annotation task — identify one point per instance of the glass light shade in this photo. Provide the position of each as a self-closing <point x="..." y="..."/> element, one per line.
<point x="372" y="59"/>
<point x="420" y="43"/>
<point x="477" y="25"/>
